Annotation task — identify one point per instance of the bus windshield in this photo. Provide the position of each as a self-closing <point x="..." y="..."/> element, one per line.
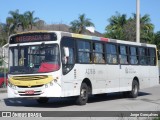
<point x="34" y="59"/>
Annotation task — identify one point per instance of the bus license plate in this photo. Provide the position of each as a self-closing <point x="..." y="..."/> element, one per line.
<point x="29" y="92"/>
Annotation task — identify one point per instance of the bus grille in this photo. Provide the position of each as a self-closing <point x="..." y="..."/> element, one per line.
<point x="22" y="93"/>
<point x="34" y="86"/>
<point x="35" y="77"/>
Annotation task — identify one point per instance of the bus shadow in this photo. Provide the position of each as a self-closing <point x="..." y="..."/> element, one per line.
<point x="52" y="103"/>
<point x="144" y="94"/>
<point x="113" y="96"/>
<point x="64" y="102"/>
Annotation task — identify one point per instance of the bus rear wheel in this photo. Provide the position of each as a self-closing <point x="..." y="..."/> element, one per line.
<point x="135" y="89"/>
<point x="83" y="97"/>
<point x="42" y="100"/>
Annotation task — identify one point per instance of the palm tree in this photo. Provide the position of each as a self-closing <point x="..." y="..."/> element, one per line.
<point x="117" y="22"/>
<point x="146" y="28"/>
<point x="122" y="28"/>
<point x="31" y="19"/>
<point x="23" y="21"/>
<point x="115" y="28"/>
<point x="3" y="34"/>
<point x="78" y="26"/>
<point x="13" y="21"/>
<point x="156" y="40"/>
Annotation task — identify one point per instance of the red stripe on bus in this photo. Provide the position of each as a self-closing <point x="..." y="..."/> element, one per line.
<point x="104" y="39"/>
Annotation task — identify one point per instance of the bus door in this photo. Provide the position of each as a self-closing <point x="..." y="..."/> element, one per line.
<point x="68" y="63"/>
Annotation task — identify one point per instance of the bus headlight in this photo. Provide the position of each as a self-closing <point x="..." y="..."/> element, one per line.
<point x="55" y="80"/>
<point x="49" y="84"/>
<point x="11" y="85"/>
<point x="46" y="85"/>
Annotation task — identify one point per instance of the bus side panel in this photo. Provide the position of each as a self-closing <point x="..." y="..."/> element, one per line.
<point x="72" y="81"/>
<point x="143" y="76"/>
<point x="100" y="77"/>
<point x="154" y="75"/>
<point x="68" y="84"/>
<point x="127" y="73"/>
<point x="112" y="76"/>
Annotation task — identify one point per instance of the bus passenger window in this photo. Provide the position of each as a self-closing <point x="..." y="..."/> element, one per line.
<point x="84" y="51"/>
<point x="152" y="56"/>
<point x="133" y="55"/>
<point x="123" y="54"/>
<point x="111" y="51"/>
<point x="142" y="56"/>
<point x="98" y="53"/>
<point x="123" y="59"/>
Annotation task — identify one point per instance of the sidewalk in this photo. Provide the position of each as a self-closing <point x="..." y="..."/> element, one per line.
<point x="3" y="90"/>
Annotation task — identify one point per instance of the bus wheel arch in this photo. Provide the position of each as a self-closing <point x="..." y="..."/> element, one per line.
<point x="89" y="84"/>
<point x="85" y="90"/>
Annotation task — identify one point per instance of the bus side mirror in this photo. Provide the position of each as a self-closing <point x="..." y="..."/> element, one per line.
<point x="66" y="51"/>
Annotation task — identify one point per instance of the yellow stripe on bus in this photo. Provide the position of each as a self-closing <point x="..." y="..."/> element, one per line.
<point x="81" y="36"/>
<point x="28" y="82"/>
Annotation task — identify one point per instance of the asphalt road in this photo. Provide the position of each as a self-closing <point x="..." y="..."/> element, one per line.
<point x="148" y="100"/>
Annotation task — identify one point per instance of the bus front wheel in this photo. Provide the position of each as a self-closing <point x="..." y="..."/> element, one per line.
<point x="83" y="97"/>
<point x="135" y="89"/>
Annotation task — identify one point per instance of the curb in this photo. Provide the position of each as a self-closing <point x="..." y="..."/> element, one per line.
<point x="3" y="90"/>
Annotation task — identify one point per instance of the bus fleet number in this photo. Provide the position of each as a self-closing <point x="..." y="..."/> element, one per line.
<point x="90" y="71"/>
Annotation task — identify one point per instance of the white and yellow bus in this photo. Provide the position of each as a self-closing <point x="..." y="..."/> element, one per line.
<point x="45" y="64"/>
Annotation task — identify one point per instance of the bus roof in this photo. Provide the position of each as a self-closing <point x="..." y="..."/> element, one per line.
<point x="88" y="37"/>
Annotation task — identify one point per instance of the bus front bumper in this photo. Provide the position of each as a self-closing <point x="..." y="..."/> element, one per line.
<point x="43" y="91"/>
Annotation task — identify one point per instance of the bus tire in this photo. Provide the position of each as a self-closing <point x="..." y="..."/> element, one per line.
<point x="42" y="100"/>
<point x="135" y="89"/>
<point x="83" y="97"/>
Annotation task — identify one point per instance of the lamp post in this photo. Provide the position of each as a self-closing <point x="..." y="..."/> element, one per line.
<point x="138" y="22"/>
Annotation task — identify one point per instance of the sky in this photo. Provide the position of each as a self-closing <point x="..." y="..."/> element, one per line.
<point x="65" y="11"/>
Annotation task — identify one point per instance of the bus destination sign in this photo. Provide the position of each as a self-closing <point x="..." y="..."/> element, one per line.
<point x="33" y="37"/>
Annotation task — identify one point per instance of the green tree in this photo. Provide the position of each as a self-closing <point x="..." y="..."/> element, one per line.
<point x="3" y="34"/>
<point x="115" y="27"/>
<point x="129" y="30"/>
<point x="30" y="19"/>
<point x="23" y="22"/>
<point x="78" y="26"/>
<point x="121" y="28"/>
<point x="147" y="33"/>
<point x="156" y="40"/>
<point x="17" y="20"/>
<point x="13" y="21"/>
<point x="146" y="29"/>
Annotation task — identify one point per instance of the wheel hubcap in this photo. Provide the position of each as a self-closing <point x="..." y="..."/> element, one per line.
<point x="83" y="94"/>
<point x="135" y="89"/>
